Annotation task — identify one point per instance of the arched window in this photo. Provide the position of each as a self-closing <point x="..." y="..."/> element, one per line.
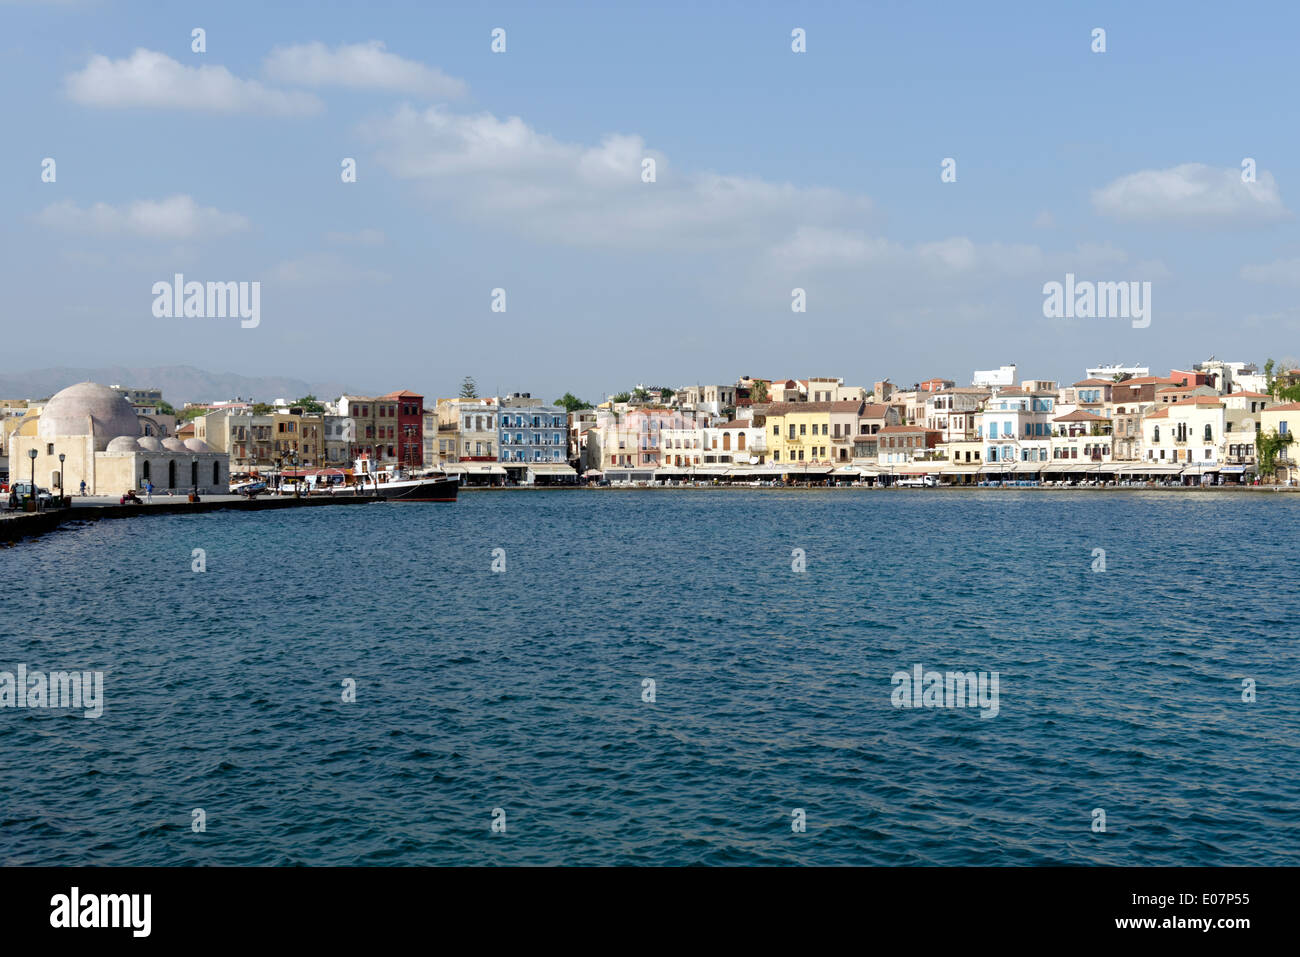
<point x="1209" y="433"/>
<point x="194" y="473"/>
<point x="216" y="473"/>
<point x="145" y="472"/>
<point x="171" y="474"/>
<point x="740" y="441"/>
<point x="726" y="441"/>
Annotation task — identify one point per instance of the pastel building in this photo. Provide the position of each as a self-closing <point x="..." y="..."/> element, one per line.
<point x="1016" y="426"/>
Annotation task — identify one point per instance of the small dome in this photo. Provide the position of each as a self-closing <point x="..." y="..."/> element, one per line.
<point x="198" y="445"/>
<point x="88" y="408"/>
<point x="174" y="445"/>
<point x="149" y="443"/>
<point x="123" y="443"/>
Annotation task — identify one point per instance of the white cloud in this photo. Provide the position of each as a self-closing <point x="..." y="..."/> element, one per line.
<point x="1283" y="272"/>
<point x="363" y="237"/>
<point x="176" y="217"/>
<point x="1192" y="194"/>
<point x="814" y="249"/>
<point x="319" y="269"/>
<point x="362" y="66"/>
<point x="503" y="171"/>
<point x="1044" y="220"/>
<point x="154" y="80"/>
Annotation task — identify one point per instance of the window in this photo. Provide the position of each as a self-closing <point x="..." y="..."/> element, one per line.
<point x="1209" y="433"/>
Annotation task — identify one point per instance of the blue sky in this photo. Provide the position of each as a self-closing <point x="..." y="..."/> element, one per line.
<point x="521" y="170"/>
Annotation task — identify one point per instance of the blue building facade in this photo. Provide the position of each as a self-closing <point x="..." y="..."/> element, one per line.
<point x="535" y="434"/>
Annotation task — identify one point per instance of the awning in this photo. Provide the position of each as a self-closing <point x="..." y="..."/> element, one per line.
<point x="1153" y="468"/>
<point x="552" y="468"/>
<point x="483" y="468"/>
<point x="794" y="468"/>
<point x="1233" y="469"/>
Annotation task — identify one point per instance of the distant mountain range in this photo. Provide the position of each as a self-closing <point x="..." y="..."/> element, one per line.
<point x="179" y="384"/>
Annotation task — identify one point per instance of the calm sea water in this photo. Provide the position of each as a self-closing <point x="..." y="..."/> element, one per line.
<point x="522" y="690"/>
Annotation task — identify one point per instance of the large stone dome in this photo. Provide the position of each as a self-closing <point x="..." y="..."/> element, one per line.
<point x="88" y="409"/>
<point x="198" y="445"/>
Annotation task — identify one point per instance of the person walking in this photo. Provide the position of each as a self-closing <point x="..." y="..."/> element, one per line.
<point x="148" y="491"/>
<point x="83" y="487"/>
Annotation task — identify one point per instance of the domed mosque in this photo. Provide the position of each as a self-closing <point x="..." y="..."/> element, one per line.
<point x="97" y="431"/>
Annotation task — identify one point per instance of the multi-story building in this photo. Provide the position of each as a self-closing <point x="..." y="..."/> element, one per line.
<point x="737" y="442"/>
<point x="1081" y="436"/>
<point x="901" y="445"/>
<point x="628" y="443"/>
<point x="1003" y="376"/>
<point x="407" y="408"/>
<point x="1203" y="435"/>
<point x="1015" y="425"/>
<point x="707" y="398"/>
<point x="468" y="430"/>
<point x="951" y="411"/>
<point x="532" y="435"/>
<point x="340" y="438"/>
<point x="800" y="432"/>
<point x="1284" y="420"/>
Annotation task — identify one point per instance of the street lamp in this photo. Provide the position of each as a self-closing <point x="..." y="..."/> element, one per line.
<point x="62" y="483"/>
<point x="31" y="454"/>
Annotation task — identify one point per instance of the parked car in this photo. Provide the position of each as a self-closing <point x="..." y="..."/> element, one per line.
<point x="24" y="489"/>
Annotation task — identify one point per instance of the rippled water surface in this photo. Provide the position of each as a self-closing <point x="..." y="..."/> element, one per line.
<point x="1119" y="690"/>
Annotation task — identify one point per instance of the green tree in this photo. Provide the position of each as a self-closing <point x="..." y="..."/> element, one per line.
<point x="758" y="391"/>
<point x="309" y="404"/>
<point x="469" y="388"/>
<point x="571" y="403"/>
<point x="621" y="397"/>
<point x="667" y="394"/>
<point x="1269" y="445"/>
<point x="261" y="408"/>
<point x="166" y="408"/>
<point x="194" y="412"/>
<point x="1268" y="375"/>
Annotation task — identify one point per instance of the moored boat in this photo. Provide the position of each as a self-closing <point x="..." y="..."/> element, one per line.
<point x="399" y="485"/>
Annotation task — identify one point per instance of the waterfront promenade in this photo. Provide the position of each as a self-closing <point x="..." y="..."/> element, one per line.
<point x="16" y="525"/>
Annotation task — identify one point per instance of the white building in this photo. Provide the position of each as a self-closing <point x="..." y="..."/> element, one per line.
<point x="1001" y="376"/>
<point x="1109" y="372"/>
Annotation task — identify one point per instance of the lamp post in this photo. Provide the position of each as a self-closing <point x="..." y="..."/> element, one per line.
<point x="62" y="483"/>
<point x="36" y="499"/>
